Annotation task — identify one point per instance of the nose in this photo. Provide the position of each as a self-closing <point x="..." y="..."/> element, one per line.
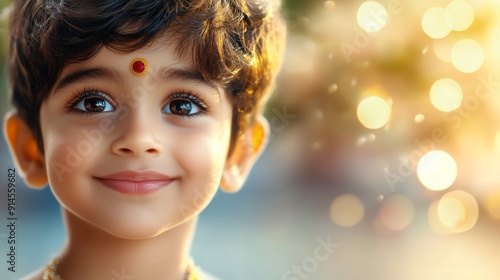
<point x="137" y="138"/>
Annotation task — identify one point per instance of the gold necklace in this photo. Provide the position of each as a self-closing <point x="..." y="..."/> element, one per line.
<point x="50" y="272"/>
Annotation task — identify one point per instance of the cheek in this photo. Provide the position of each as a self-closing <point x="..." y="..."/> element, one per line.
<point x="202" y="156"/>
<point x="68" y="153"/>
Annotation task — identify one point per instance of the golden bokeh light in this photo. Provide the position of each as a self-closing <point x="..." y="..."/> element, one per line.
<point x="437" y="23"/>
<point x="446" y="95"/>
<point x="347" y="210"/>
<point x="461" y="13"/>
<point x="492" y="205"/>
<point x="467" y="56"/>
<point x="458" y="211"/>
<point x="434" y="221"/>
<point x="374" y="112"/>
<point x="333" y="88"/>
<point x="497" y="141"/>
<point x="442" y="49"/>
<point x="397" y="212"/>
<point x="372" y="16"/>
<point x="451" y="212"/>
<point x="419" y="118"/>
<point x="437" y="170"/>
<point x="329" y="5"/>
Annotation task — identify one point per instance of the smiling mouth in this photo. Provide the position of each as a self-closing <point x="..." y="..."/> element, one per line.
<point x="134" y="182"/>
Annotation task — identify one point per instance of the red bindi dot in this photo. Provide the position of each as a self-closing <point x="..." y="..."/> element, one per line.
<point x="138" y="66"/>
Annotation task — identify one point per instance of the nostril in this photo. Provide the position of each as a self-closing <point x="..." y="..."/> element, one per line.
<point x="133" y="147"/>
<point x="126" y="151"/>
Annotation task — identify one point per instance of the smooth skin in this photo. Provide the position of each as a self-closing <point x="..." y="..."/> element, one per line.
<point x="100" y="119"/>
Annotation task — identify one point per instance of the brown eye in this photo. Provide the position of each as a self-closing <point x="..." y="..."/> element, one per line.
<point x="93" y="104"/>
<point x="181" y="107"/>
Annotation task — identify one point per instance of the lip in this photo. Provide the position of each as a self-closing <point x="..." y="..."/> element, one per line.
<point x="135" y="182"/>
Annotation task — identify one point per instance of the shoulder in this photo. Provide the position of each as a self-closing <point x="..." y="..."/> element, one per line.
<point x="37" y="275"/>
<point x="203" y="275"/>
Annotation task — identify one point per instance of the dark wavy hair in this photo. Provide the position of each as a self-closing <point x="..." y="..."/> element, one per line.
<point x="236" y="42"/>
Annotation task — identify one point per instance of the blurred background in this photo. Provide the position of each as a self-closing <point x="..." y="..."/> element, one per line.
<point x="383" y="162"/>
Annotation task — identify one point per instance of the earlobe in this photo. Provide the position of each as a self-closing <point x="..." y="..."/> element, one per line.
<point x="25" y="151"/>
<point x="247" y="150"/>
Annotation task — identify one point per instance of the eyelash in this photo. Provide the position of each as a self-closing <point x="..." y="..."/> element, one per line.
<point x="92" y="92"/>
<point x="191" y="96"/>
<point x="82" y="95"/>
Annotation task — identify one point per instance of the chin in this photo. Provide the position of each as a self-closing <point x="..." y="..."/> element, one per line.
<point x="140" y="229"/>
<point x="134" y="231"/>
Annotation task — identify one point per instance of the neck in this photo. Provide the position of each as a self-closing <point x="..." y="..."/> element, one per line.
<point x="94" y="254"/>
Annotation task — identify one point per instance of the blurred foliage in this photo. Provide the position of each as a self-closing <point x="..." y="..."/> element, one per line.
<point x="4" y="7"/>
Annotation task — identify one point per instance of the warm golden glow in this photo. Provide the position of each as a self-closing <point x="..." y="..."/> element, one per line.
<point x="374" y="112"/>
<point x="397" y="212"/>
<point x="497" y="141"/>
<point x="333" y="88"/>
<point x="451" y="211"/>
<point x="329" y="5"/>
<point x="442" y="49"/>
<point x="467" y="56"/>
<point x="458" y="211"/>
<point x="492" y="205"/>
<point x="437" y="170"/>
<point x="419" y="118"/>
<point x="347" y="210"/>
<point x="372" y="16"/>
<point x="434" y="221"/>
<point x="437" y="23"/>
<point x="461" y="13"/>
<point x="446" y="95"/>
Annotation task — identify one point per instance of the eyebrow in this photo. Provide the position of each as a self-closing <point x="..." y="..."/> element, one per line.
<point x="164" y="75"/>
<point x="85" y="74"/>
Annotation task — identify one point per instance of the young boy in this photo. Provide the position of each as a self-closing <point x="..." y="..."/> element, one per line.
<point x="134" y="113"/>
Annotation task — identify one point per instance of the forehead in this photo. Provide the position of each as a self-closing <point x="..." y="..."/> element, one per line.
<point x="163" y="65"/>
<point x="158" y="54"/>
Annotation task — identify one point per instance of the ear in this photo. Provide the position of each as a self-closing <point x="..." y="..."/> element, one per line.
<point x="246" y="151"/>
<point x="23" y="147"/>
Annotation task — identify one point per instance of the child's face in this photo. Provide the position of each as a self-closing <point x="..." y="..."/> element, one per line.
<point x="100" y="120"/>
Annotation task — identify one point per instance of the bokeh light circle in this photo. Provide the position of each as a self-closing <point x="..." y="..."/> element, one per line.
<point x="437" y="23"/>
<point x="446" y="95"/>
<point x="467" y="56"/>
<point x="437" y="170"/>
<point x="374" y="112"/>
<point x="461" y="13"/>
<point x="492" y="205"/>
<point x="419" y="118"/>
<point x="442" y="49"/>
<point x="329" y="5"/>
<point x="347" y="210"/>
<point x="433" y="219"/>
<point x="451" y="212"/>
<point x="397" y="212"/>
<point x="458" y="211"/>
<point x="372" y="16"/>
